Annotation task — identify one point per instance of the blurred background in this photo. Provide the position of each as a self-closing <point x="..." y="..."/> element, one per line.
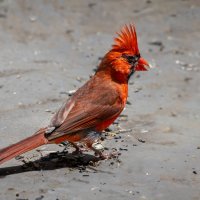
<point x="50" y="48"/>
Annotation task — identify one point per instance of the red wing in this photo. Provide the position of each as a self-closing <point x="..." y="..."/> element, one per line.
<point x="87" y="109"/>
<point x="82" y="119"/>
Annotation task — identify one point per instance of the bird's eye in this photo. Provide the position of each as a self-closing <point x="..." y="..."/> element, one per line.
<point x="131" y="59"/>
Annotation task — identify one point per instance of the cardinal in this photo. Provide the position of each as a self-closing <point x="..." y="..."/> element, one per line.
<point x="95" y="105"/>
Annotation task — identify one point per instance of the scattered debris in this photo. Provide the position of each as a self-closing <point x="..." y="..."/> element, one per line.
<point x="178" y="52"/>
<point x="39" y="198"/>
<point x="108" y="129"/>
<point x="69" y="31"/>
<point x="136" y="11"/>
<point x="47" y="110"/>
<point x="148" y="1"/>
<point x="94" y="188"/>
<point x="141" y="140"/>
<point x="71" y="92"/>
<point x="166" y="129"/>
<point x="63" y="92"/>
<point x="91" y="5"/>
<point x="80" y="79"/>
<point x="125" y="130"/>
<point x="157" y="43"/>
<point x="144" y="131"/>
<point x="173" y="114"/>
<point x="123" y="149"/>
<point x="173" y="15"/>
<point x="123" y="118"/>
<point x="129" y="191"/>
<point x="138" y="76"/>
<point x="187" y="66"/>
<point x="117" y="137"/>
<point x="2" y="15"/>
<point x="32" y="18"/>
<point x="187" y="79"/>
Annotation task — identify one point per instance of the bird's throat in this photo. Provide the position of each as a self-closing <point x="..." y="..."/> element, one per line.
<point x="120" y="77"/>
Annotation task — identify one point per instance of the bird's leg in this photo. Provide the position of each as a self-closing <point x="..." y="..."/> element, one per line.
<point x="78" y="150"/>
<point x="65" y="144"/>
<point x="102" y="155"/>
<point x="91" y="142"/>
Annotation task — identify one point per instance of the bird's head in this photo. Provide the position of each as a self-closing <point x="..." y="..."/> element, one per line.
<point x="124" y="58"/>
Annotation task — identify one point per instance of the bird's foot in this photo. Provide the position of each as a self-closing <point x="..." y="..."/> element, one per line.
<point x="105" y="156"/>
<point x="78" y="149"/>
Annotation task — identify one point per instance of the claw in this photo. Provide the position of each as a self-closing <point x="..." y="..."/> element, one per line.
<point x="106" y="156"/>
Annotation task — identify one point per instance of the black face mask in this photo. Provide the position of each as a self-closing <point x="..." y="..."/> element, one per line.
<point x="132" y="60"/>
<point x="131" y="73"/>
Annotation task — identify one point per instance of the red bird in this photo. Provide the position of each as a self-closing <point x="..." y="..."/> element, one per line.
<point x="95" y="105"/>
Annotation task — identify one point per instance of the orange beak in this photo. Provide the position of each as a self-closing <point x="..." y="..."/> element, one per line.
<point x="142" y="65"/>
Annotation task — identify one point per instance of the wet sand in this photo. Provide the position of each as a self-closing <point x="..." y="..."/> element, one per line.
<point x="49" y="48"/>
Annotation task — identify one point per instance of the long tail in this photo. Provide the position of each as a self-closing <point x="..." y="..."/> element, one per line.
<point x="23" y="146"/>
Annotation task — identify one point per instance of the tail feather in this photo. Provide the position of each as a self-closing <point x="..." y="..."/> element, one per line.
<point x="23" y="146"/>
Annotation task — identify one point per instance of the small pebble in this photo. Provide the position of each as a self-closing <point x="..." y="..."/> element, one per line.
<point x="141" y="140"/>
<point x="71" y="92"/>
<point x="32" y="18"/>
<point x="85" y="174"/>
<point x="144" y="131"/>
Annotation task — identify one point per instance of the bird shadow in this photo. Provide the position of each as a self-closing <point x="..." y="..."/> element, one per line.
<point x="56" y="160"/>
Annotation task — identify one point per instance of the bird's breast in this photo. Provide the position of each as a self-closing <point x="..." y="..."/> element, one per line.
<point x="122" y="98"/>
<point x="124" y="93"/>
<point x="102" y="126"/>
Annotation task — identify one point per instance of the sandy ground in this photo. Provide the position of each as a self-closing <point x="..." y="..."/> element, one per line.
<point x="51" y="47"/>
